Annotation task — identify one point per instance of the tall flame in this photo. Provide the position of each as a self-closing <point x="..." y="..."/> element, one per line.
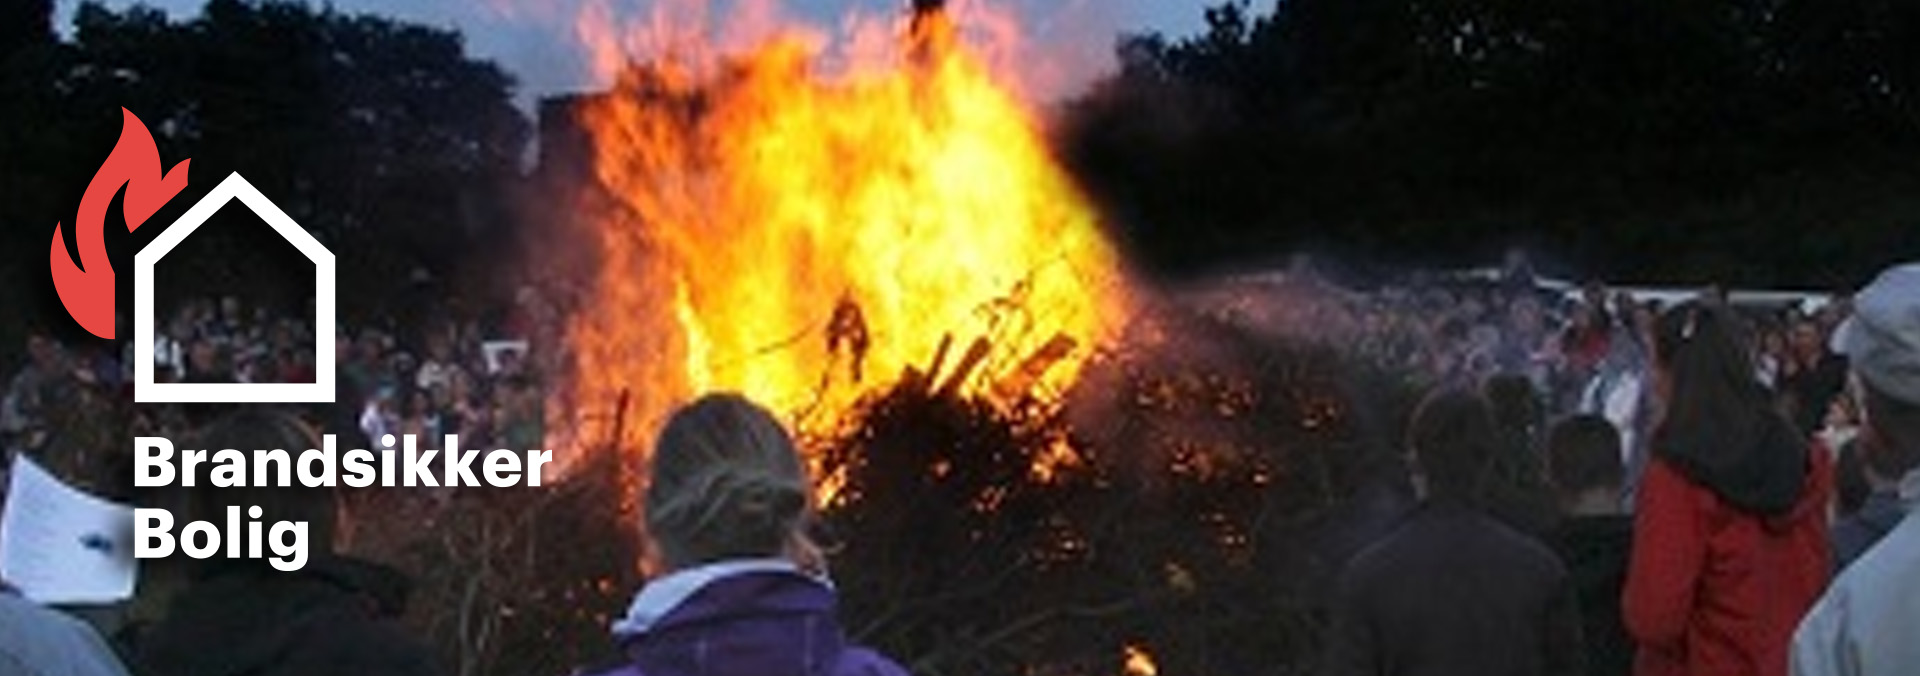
<point x="806" y="239"/>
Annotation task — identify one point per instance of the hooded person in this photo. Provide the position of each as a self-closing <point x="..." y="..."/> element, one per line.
<point x="241" y="617"/>
<point x="1864" y="625"/>
<point x="744" y="592"/>
<point x="1730" y="532"/>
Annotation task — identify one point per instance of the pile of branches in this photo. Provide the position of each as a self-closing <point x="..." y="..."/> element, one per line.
<point x="1190" y="498"/>
<point x="1202" y="508"/>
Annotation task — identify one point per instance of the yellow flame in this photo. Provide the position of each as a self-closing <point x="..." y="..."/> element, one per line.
<point x="806" y="239"/>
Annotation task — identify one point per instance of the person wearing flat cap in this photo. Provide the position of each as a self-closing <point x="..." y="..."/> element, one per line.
<point x="1865" y="624"/>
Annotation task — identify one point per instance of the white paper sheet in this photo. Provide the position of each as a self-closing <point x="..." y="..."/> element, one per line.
<point x="61" y="545"/>
<point x="495" y="352"/>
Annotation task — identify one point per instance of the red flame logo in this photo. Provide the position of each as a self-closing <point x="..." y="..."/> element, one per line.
<point x="87" y="289"/>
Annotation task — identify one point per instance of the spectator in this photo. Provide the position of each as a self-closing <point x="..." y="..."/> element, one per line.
<point x="335" y="615"/>
<point x="204" y="363"/>
<point x="1730" y="537"/>
<point x="1813" y="376"/>
<point x="519" y="413"/>
<point x="1841" y="423"/>
<point x="1452" y="590"/>
<point x="231" y="317"/>
<point x="295" y="366"/>
<point x="1618" y="392"/>
<point x="1584" y="343"/>
<point x="1716" y="296"/>
<point x="460" y="415"/>
<point x="1517" y="492"/>
<point x="438" y="368"/>
<point x="1593" y="296"/>
<point x="420" y="418"/>
<point x="170" y="348"/>
<point x="1517" y="410"/>
<point x="744" y="592"/>
<point x="356" y="359"/>
<point x="1858" y="529"/>
<point x="1525" y="332"/>
<point x="1645" y="316"/>
<point x="1771" y="362"/>
<point x="1864" y="626"/>
<point x="377" y="419"/>
<point x="39" y="641"/>
<point x="1596" y="536"/>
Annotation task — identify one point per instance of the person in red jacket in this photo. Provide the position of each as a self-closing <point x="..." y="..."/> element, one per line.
<point x="1730" y="542"/>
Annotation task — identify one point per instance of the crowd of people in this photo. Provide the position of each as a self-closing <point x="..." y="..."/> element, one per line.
<point x="1583" y="350"/>
<point x="1596" y="484"/>
<point x="454" y="377"/>
<point x="1750" y="518"/>
<point x="223" y="342"/>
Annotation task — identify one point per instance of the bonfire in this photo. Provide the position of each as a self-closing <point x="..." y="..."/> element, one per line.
<point x="809" y="238"/>
<point x="1025" y="464"/>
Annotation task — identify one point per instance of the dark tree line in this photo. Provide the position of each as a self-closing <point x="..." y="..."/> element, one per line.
<point x="1767" y="142"/>
<point x="382" y="138"/>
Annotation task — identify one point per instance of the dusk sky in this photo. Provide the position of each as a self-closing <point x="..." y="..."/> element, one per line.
<point x="536" y="41"/>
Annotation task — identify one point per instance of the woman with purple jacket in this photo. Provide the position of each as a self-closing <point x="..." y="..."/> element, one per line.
<point x="745" y="592"/>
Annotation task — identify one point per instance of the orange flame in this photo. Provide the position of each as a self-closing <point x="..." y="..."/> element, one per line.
<point x="806" y="239"/>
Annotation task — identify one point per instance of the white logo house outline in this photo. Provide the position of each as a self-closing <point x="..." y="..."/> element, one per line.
<point x="146" y="391"/>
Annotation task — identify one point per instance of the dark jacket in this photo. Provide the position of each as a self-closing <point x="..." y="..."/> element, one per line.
<point x="1450" y="592"/>
<point x="1596" y="550"/>
<point x="1854" y="535"/>
<point x="751" y="618"/>
<point x="334" y="616"/>
<point x="1376" y="510"/>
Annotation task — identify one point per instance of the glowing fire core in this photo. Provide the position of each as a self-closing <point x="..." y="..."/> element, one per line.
<point x="806" y="239"/>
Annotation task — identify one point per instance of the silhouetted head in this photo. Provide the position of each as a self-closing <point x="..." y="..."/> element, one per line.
<point x="1583" y="454"/>
<point x="1517" y="409"/>
<point x="1452" y="441"/>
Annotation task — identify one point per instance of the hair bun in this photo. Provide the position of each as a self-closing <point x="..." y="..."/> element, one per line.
<point x="761" y="500"/>
<point x="725" y="481"/>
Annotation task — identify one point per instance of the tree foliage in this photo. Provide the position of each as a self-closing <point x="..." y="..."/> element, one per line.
<point x="1635" y="139"/>
<point x="380" y="137"/>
